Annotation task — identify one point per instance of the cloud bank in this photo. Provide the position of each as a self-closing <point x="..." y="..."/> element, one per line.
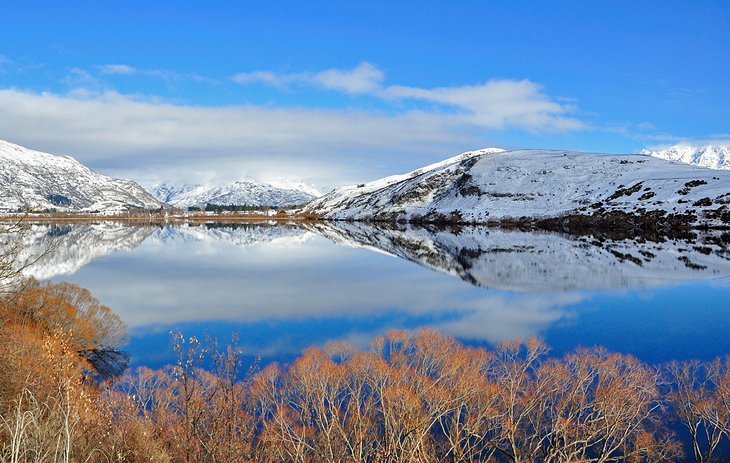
<point x="147" y="138"/>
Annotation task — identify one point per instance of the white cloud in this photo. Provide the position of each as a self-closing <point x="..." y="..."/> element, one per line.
<point x="496" y="104"/>
<point x="117" y="69"/>
<point x="145" y="138"/>
<point x="725" y="141"/>
<point x="499" y="104"/>
<point x="81" y="78"/>
<point x="266" y="77"/>
<point x="162" y="74"/>
<point x="365" y="78"/>
<point x="148" y="139"/>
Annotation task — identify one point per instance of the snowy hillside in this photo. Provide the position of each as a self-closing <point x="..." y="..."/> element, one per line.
<point x="522" y="261"/>
<point x="31" y="180"/>
<point x="245" y="192"/>
<point x="713" y="157"/>
<point x="529" y="186"/>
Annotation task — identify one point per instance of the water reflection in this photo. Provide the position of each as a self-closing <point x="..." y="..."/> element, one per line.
<point x="285" y="287"/>
<point x="542" y="261"/>
<point x="66" y="248"/>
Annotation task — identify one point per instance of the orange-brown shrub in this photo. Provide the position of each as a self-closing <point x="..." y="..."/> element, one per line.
<point x="419" y="396"/>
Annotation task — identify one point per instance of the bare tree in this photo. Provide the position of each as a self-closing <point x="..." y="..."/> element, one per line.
<point x="691" y="398"/>
<point x="11" y="265"/>
<point x="716" y="410"/>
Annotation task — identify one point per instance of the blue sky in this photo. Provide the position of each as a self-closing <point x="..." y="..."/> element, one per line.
<point x="339" y="92"/>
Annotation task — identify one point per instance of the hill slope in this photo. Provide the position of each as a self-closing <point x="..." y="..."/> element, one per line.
<point x="529" y="186"/>
<point x="32" y="180"/>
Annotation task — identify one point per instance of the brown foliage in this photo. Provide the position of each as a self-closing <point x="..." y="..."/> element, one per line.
<point x="49" y="410"/>
<point x="424" y="397"/>
<point x="412" y="397"/>
<point x="65" y="308"/>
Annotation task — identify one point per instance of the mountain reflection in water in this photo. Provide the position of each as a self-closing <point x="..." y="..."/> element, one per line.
<point x="285" y="287"/>
<point x="542" y="261"/>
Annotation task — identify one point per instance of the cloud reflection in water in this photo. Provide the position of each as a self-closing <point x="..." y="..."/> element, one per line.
<point x="285" y="287"/>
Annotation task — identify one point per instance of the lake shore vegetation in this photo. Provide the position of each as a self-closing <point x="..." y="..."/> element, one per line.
<point x="412" y="396"/>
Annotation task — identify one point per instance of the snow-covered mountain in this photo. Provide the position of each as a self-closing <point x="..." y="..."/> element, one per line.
<point x="552" y="189"/>
<point x="286" y="183"/>
<point x="540" y="261"/>
<point x="165" y="192"/>
<point x="31" y="180"/>
<point x="711" y="156"/>
<point x="244" y="192"/>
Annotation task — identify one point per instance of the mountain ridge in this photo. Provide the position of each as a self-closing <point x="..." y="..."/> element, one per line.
<point x="36" y="181"/>
<point x="547" y="188"/>
<point x="710" y="156"/>
<point x="243" y="192"/>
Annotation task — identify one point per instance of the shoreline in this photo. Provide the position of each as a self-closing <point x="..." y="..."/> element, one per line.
<point x="614" y="225"/>
<point x="160" y="219"/>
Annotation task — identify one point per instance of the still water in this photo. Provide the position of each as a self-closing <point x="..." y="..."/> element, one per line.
<point x="283" y="288"/>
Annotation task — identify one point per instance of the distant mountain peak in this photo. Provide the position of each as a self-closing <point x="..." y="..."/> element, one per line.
<point x="240" y="192"/>
<point x="291" y="184"/>
<point x="36" y="181"/>
<point x="710" y="156"/>
<point x="165" y="192"/>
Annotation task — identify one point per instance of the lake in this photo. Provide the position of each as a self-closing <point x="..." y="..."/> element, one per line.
<point x="284" y="287"/>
